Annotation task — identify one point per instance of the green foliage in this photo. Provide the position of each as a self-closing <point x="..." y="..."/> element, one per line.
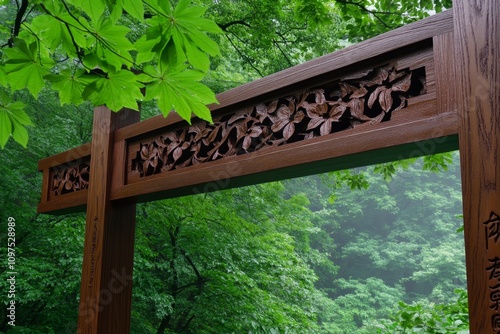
<point x="88" y="51"/>
<point x="48" y="248"/>
<point x="13" y="120"/>
<point x="430" y="318"/>
<point x="367" y="18"/>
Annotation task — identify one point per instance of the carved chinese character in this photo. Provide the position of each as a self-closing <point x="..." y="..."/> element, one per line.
<point x="495" y="322"/>
<point x="492" y="228"/>
<point x="495" y="296"/>
<point x="494" y="269"/>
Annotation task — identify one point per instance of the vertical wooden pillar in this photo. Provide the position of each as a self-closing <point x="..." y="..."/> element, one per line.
<point x="106" y="288"/>
<point x="477" y="41"/>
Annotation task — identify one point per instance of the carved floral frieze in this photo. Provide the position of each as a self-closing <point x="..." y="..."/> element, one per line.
<point x="370" y="98"/>
<point x="70" y="178"/>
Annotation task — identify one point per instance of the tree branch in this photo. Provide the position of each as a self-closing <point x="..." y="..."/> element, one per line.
<point x="244" y="57"/>
<point x="373" y="12"/>
<point x="275" y="42"/>
<point x="17" y="23"/>
<point x="225" y="26"/>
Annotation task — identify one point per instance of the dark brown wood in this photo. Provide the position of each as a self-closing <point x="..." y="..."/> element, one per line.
<point x="106" y="288"/>
<point x="445" y="72"/>
<point x="70" y="202"/>
<point x="477" y="59"/>
<point x="293" y="159"/>
<point x="64" y="157"/>
<point x="362" y="100"/>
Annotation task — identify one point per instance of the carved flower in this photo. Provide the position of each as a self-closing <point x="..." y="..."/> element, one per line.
<point x="323" y="116"/>
<point x="264" y="111"/>
<point x="248" y="130"/>
<point x="286" y="119"/>
<point x="383" y="94"/>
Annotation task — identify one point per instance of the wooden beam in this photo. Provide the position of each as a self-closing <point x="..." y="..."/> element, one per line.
<point x="106" y="288"/>
<point x="412" y="37"/>
<point x="406" y="47"/>
<point x="291" y="160"/>
<point x="477" y="43"/>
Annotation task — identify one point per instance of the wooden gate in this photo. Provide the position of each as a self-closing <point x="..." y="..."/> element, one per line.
<point x="428" y="87"/>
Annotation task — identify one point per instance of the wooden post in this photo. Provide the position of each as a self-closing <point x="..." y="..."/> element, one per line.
<point x="477" y="40"/>
<point x="106" y="288"/>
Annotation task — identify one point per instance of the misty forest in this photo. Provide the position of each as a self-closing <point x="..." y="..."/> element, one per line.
<point x="372" y="250"/>
<point x="378" y="249"/>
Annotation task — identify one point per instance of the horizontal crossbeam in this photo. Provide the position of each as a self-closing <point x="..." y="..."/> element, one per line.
<point x="376" y="101"/>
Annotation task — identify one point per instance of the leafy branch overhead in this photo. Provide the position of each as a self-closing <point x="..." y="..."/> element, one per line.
<point x="113" y="53"/>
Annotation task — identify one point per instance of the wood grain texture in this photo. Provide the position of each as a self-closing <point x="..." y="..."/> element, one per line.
<point x="445" y="72"/>
<point x="120" y="150"/>
<point x="477" y="59"/>
<point x="68" y="203"/>
<point x="106" y="288"/>
<point x="296" y="156"/>
<point x="373" y="96"/>
<point x="66" y="156"/>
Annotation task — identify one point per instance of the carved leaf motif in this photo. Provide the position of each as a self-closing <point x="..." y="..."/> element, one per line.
<point x="318" y="111"/>
<point x="326" y="128"/>
<point x="299" y="116"/>
<point x="374" y="96"/>
<point x="385" y="99"/>
<point x="279" y="124"/>
<point x="314" y="123"/>
<point x="338" y="110"/>
<point x="346" y="89"/>
<point x="144" y="152"/>
<point x="381" y="75"/>
<point x="402" y="85"/>
<point x="255" y="132"/>
<point x="289" y="130"/>
<point x="357" y="108"/>
<point x="319" y="95"/>
<point x="177" y="153"/>
<point x="381" y="91"/>
<point x="361" y="92"/>
<point x="247" y="142"/>
<point x="394" y="75"/>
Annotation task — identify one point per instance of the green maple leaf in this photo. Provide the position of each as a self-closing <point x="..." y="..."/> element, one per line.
<point x="179" y="89"/>
<point x="135" y="8"/>
<point x="189" y="20"/>
<point x="145" y="47"/>
<point x="119" y="90"/>
<point x="112" y="44"/>
<point x="13" y="121"/>
<point x="93" y="8"/>
<point x="53" y="32"/>
<point x="24" y="68"/>
<point x="70" y="86"/>
<point x="187" y="29"/>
